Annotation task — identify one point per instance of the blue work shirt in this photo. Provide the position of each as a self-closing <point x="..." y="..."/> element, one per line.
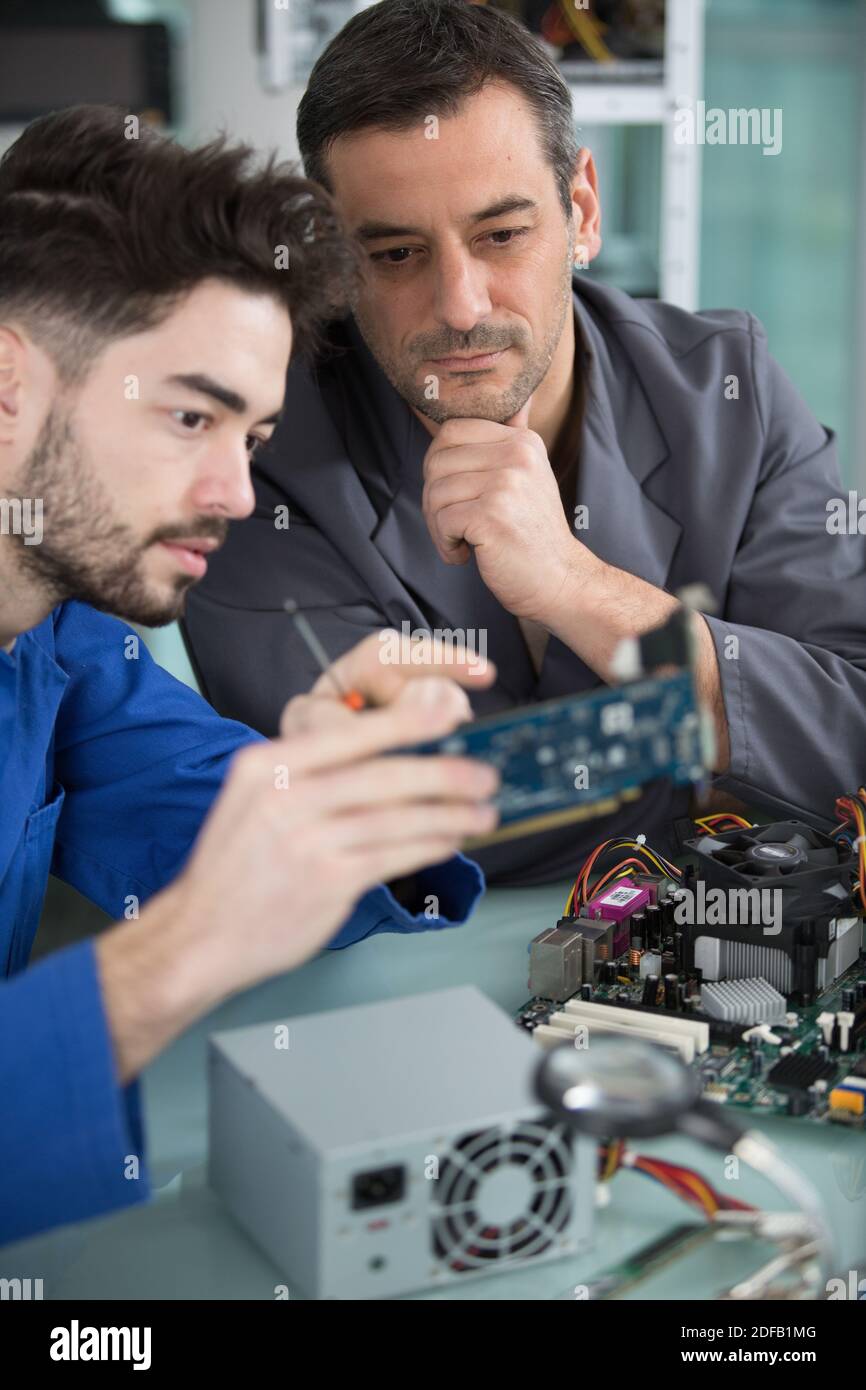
<point x="108" y="766"/>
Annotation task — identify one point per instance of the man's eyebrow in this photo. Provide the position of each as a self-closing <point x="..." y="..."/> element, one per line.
<point x="206" y="386"/>
<point x="512" y="203"/>
<point x="380" y="231"/>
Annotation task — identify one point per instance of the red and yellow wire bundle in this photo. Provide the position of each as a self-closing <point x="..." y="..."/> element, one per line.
<point x="683" y="1182"/>
<point x="642" y="858"/>
<point x="710" y="823"/>
<point x="851" y="811"/>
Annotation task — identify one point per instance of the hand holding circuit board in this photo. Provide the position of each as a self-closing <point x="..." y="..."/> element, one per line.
<point x="563" y="760"/>
<point x="582" y="756"/>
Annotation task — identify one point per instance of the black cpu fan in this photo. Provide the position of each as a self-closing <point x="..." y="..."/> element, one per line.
<point x="788" y="850"/>
<point x="813" y="874"/>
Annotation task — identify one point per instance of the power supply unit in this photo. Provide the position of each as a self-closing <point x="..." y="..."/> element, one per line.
<point x="395" y="1146"/>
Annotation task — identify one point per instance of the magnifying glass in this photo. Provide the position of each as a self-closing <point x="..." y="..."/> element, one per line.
<point x="619" y="1088"/>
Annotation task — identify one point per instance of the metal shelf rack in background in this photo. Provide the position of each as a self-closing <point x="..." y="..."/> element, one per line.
<point x="649" y="94"/>
<point x="625" y="92"/>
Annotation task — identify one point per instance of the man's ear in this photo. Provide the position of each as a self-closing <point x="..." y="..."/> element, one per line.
<point x="587" y="209"/>
<point x="13" y="355"/>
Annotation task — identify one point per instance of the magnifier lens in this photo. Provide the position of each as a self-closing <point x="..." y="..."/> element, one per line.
<point x="616" y="1087"/>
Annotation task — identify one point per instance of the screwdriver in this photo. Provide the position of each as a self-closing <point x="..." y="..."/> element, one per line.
<point x="352" y="699"/>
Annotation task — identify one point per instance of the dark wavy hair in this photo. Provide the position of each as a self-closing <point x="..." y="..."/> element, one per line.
<point x="101" y="235"/>
<point x="401" y="60"/>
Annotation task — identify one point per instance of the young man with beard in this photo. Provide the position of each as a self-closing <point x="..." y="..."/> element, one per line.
<point x="146" y="322"/>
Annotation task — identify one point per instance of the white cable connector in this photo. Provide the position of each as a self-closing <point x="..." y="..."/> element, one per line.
<point x="845" y="1021"/>
<point x="762" y="1031"/>
<point x="825" y="1023"/>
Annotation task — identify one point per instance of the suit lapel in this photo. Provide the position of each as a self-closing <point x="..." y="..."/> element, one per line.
<point x="320" y="480"/>
<point x="621" y="447"/>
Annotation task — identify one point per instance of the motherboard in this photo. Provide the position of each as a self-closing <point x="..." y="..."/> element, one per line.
<point x="769" y="1010"/>
<point x="798" y="1075"/>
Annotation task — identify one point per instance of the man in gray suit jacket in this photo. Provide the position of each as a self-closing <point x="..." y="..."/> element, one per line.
<point x="497" y="446"/>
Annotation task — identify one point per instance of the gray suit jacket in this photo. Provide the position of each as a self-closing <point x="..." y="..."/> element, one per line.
<point x="698" y="462"/>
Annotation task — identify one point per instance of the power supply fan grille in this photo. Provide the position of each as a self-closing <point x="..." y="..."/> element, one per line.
<point x="502" y="1194"/>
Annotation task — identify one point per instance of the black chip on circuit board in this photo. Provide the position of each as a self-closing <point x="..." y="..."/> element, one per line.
<point x="797" y="1072"/>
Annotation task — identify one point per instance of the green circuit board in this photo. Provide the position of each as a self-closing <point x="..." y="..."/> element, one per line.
<point x="738" y="1074"/>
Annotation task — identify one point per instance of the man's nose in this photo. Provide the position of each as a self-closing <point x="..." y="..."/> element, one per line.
<point x="461" y="296"/>
<point x="224" y="486"/>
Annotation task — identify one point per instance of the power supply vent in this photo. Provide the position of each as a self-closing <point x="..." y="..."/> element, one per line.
<point x="502" y="1194"/>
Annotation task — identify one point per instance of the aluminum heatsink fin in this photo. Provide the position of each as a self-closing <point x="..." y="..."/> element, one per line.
<point x="743" y="1001"/>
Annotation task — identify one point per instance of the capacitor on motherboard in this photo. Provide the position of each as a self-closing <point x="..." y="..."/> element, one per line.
<point x="586" y="991"/>
<point x="682" y="994"/>
<point x="848" y="999"/>
<point x="667" y="906"/>
<point x="653" y="925"/>
<point x="609" y="972"/>
<point x="671" y="983"/>
<point x="650" y="990"/>
<point x="637" y="927"/>
<point x="678" y="951"/>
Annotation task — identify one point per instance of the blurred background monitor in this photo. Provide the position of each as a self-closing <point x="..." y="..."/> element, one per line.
<point x="58" y="54"/>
